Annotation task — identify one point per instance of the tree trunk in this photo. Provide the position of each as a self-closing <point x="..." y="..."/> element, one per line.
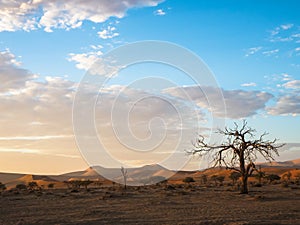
<point x="244" y="188"/>
<point x="244" y="173"/>
<point x="125" y="183"/>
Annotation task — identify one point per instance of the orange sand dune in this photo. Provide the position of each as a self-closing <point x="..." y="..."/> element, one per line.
<point x="40" y="180"/>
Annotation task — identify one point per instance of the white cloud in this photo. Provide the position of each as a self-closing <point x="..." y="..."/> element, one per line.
<point x="295" y="65"/>
<point x="293" y="84"/>
<point x="282" y="39"/>
<point x="57" y="14"/>
<point x="271" y="52"/>
<point x="251" y="84"/>
<point x="296" y="35"/>
<point x="36" y="114"/>
<point x="108" y="33"/>
<point x="159" y="12"/>
<point x="239" y="103"/>
<point x="96" y="47"/>
<point x="286" y="105"/>
<point x="286" y="26"/>
<point x="279" y="77"/>
<point x="31" y="107"/>
<point x="275" y="31"/>
<point x="7" y="58"/>
<point x="252" y="51"/>
<point x="84" y="60"/>
<point x="12" y="77"/>
<point x="286" y="77"/>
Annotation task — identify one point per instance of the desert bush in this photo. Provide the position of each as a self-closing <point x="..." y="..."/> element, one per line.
<point x="170" y="187"/>
<point x="33" y="186"/>
<point x="76" y="184"/>
<point x="68" y="184"/>
<point x="220" y="179"/>
<point x="2" y="187"/>
<point x="259" y="175"/>
<point x="51" y="185"/>
<point x="234" y="176"/>
<point x="257" y="185"/>
<point x="297" y="178"/>
<point x="214" y="178"/>
<point x="188" y="180"/>
<point x="287" y="177"/>
<point x="273" y="177"/>
<point x="21" y="187"/>
<point x="98" y="183"/>
<point x="85" y="183"/>
<point x="14" y="191"/>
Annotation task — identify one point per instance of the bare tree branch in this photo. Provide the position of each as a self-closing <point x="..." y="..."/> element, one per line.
<point x="240" y="150"/>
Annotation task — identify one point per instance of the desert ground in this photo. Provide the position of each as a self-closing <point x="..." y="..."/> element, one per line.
<point x="40" y="199"/>
<point x="156" y="204"/>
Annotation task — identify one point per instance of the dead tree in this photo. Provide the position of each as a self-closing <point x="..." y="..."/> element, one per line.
<point x="124" y="174"/>
<point x="239" y="151"/>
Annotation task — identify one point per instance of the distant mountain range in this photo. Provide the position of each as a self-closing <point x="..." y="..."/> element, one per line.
<point x="291" y="163"/>
<point x="135" y="176"/>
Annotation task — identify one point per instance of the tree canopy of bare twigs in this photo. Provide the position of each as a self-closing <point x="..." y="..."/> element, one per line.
<point x="239" y="151"/>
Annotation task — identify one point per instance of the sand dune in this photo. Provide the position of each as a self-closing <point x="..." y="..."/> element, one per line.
<point x="291" y="163"/>
<point x="138" y="175"/>
<point x="41" y="180"/>
<point x="6" y="177"/>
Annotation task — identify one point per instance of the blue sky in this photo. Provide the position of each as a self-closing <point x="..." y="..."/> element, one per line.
<point x="252" y="47"/>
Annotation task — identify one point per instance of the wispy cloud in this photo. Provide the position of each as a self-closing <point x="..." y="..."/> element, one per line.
<point x="96" y="47"/>
<point x="286" y="26"/>
<point x="286" y="77"/>
<point x="271" y="52"/>
<point x="276" y="81"/>
<point x="251" y="84"/>
<point x="252" y="51"/>
<point x="280" y="28"/>
<point x="160" y="12"/>
<point x="297" y="51"/>
<point x="20" y="150"/>
<point x="284" y="33"/>
<point x="239" y="103"/>
<point x="33" y="138"/>
<point x="37" y="152"/>
<point x="283" y="41"/>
